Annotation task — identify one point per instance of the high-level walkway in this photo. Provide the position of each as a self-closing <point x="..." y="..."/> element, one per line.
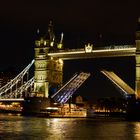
<point x="109" y="51"/>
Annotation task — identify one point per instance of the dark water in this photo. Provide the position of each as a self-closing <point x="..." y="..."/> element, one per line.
<point x="32" y="128"/>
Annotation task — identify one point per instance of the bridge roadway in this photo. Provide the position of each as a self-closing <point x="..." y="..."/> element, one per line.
<point x="120" y="84"/>
<point x="115" y="51"/>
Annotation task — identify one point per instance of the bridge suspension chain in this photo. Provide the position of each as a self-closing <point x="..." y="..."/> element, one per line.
<point x="18" y="92"/>
<point x="14" y="81"/>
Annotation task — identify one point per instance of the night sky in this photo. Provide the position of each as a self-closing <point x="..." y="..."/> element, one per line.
<point x="101" y="22"/>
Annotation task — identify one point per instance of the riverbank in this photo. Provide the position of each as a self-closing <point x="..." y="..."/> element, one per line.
<point x="68" y="115"/>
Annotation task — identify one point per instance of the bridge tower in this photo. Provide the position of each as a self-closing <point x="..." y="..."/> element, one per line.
<point x="48" y="71"/>
<point x="137" y="57"/>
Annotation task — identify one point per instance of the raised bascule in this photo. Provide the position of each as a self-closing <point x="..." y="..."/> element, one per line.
<point x="47" y="87"/>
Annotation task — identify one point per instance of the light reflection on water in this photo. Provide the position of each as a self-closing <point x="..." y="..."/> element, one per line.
<point x="32" y="128"/>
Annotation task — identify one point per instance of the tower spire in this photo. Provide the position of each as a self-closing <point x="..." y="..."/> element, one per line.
<point x="50" y="36"/>
<point x="61" y="40"/>
<point x="60" y="44"/>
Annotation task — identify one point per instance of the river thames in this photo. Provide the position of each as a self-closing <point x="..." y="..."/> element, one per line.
<point x="13" y="127"/>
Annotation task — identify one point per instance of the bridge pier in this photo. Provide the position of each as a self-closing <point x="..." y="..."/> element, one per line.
<point x="34" y="105"/>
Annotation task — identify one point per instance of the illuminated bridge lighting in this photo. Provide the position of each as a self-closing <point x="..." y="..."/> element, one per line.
<point x="16" y="93"/>
<point x="75" y="75"/>
<point x="64" y="94"/>
<point x="115" y="51"/>
<point x="11" y="91"/>
<point x="125" y="88"/>
<point x="12" y="99"/>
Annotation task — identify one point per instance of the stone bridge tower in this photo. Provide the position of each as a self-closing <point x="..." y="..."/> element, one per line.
<point x="137" y="57"/>
<point x="48" y="71"/>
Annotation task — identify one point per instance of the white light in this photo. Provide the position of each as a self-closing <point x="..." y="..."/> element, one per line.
<point x="88" y="48"/>
<point x="51" y="44"/>
<point x="60" y="61"/>
<point x="53" y="108"/>
<point x="13" y="99"/>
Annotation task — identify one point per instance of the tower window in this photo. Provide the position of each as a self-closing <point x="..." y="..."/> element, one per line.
<point x="41" y="51"/>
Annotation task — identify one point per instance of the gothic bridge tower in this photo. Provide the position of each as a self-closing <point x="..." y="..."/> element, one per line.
<point x="48" y="71"/>
<point x="137" y="57"/>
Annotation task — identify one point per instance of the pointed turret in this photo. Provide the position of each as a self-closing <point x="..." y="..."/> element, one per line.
<point x="60" y="44"/>
<point x="50" y="37"/>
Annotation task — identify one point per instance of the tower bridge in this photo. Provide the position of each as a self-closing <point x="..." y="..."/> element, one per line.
<point x="48" y="69"/>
